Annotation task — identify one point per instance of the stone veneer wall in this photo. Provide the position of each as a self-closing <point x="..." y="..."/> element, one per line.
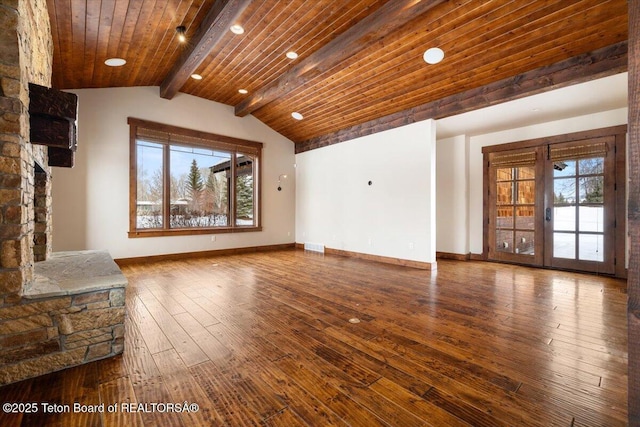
<point x="25" y="56"/>
<point x="48" y="334"/>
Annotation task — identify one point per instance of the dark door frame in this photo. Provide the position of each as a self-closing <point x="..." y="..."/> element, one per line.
<point x="619" y="135"/>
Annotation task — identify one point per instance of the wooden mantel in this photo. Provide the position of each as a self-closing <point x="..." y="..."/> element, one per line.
<point x="53" y="118"/>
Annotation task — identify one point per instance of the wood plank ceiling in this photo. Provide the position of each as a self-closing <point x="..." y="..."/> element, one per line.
<point x="358" y="60"/>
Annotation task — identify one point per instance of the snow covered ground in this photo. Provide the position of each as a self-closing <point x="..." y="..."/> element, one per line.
<point x="590" y="246"/>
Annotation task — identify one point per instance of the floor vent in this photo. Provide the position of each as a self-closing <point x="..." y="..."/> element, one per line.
<point x="315" y="247"/>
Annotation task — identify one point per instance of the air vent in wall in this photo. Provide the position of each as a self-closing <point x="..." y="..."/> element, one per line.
<point x="315" y="247"/>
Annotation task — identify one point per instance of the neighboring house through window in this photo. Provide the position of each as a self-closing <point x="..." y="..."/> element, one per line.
<point x="184" y="181"/>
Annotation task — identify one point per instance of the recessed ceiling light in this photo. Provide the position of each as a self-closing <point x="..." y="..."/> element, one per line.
<point x="195" y="76"/>
<point x="115" y="62"/>
<point x="243" y="91"/>
<point x="433" y="55"/>
<point x="237" y="29"/>
<point x="297" y="115"/>
<point x="292" y="55"/>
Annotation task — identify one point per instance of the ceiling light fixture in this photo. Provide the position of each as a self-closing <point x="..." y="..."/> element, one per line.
<point x="195" y="76"/>
<point x="433" y="55"/>
<point x="115" y="62"/>
<point x="243" y="91"/>
<point x="182" y="33"/>
<point x="297" y="115"/>
<point x="237" y="29"/>
<point x="292" y="55"/>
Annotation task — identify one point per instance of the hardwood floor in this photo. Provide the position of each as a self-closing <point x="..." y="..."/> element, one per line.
<point x="265" y="339"/>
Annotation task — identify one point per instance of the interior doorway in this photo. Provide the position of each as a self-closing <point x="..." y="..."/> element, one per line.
<point x="558" y="202"/>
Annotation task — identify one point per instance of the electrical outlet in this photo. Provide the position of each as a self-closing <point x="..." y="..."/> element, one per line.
<point x="411" y="246"/>
<point x="213" y="238"/>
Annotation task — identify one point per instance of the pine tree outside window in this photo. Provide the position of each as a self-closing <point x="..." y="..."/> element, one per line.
<point x="190" y="182"/>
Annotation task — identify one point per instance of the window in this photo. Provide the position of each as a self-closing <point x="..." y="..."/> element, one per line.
<point x="184" y="181"/>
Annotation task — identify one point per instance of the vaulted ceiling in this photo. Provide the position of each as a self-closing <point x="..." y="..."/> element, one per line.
<point x="360" y="62"/>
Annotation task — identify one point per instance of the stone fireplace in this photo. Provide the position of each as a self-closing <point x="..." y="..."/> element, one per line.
<point x="56" y="309"/>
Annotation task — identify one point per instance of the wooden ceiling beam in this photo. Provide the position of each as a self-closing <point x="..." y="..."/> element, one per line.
<point x="215" y="25"/>
<point x="393" y="15"/>
<point x="578" y="69"/>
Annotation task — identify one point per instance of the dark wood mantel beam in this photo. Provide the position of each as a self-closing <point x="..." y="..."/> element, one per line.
<point x="374" y="27"/>
<point x="589" y="66"/>
<point x="222" y="15"/>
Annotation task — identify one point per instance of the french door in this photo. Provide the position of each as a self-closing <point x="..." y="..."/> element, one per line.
<point x="554" y="205"/>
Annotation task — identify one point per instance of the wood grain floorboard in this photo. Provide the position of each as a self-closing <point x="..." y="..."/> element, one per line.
<point x="264" y="339"/>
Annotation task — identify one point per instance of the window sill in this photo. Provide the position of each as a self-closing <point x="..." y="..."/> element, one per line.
<point x="190" y="232"/>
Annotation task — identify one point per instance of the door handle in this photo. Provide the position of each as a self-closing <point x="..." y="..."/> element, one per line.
<point x="547" y="214"/>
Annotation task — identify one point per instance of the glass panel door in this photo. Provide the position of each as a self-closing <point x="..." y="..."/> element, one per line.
<point x="513" y="211"/>
<point x="580" y="206"/>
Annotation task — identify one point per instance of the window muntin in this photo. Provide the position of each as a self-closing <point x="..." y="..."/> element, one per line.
<point x="185" y="182"/>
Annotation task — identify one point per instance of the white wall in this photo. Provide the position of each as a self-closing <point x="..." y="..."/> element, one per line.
<point x="393" y="217"/>
<point x="91" y="201"/>
<point x="451" y="156"/>
<point x="452" y="183"/>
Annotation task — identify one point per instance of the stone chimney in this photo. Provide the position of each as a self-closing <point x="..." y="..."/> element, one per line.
<point x="26" y="54"/>
<point x="49" y="331"/>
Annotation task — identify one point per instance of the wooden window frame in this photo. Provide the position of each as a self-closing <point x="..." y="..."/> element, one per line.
<point x="207" y="140"/>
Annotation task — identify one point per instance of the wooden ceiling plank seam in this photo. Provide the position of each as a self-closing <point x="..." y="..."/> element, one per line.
<point x="344" y="23"/>
<point x="155" y="28"/>
<point x="287" y="65"/>
<point x="488" y="71"/>
<point x="143" y="35"/>
<point x="310" y="35"/>
<point x="457" y="67"/>
<point x="267" y="120"/>
<point x="214" y="27"/>
<point x="355" y="115"/>
<point x="312" y="90"/>
<point x="388" y="57"/>
<point x="65" y="16"/>
<point x="123" y="39"/>
<point x="165" y="36"/>
<point x="56" y="78"/>
<point x="230" y="72"/>
<point x="114" y="49"/>
<point x="128" y="33"/>
<point x="227" y="51"/>
<point x="341" y="47"/>
<point x="91" y="43"/>
<point x="333" y="30"/>
<point x="78" y="27"/>
<point x="158" y="44"/>
<point x="104" y="28"/>
<point x="319" y="32"/>
<point x="232" y="47"/>
<point x="390" y="100"/>
<point x="605" y="61"/>
<point x="414" y="62"/>
<point x="242" y="69"/>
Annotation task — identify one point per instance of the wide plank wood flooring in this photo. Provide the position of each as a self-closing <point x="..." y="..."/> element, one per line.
<point x="265" y="339"/>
